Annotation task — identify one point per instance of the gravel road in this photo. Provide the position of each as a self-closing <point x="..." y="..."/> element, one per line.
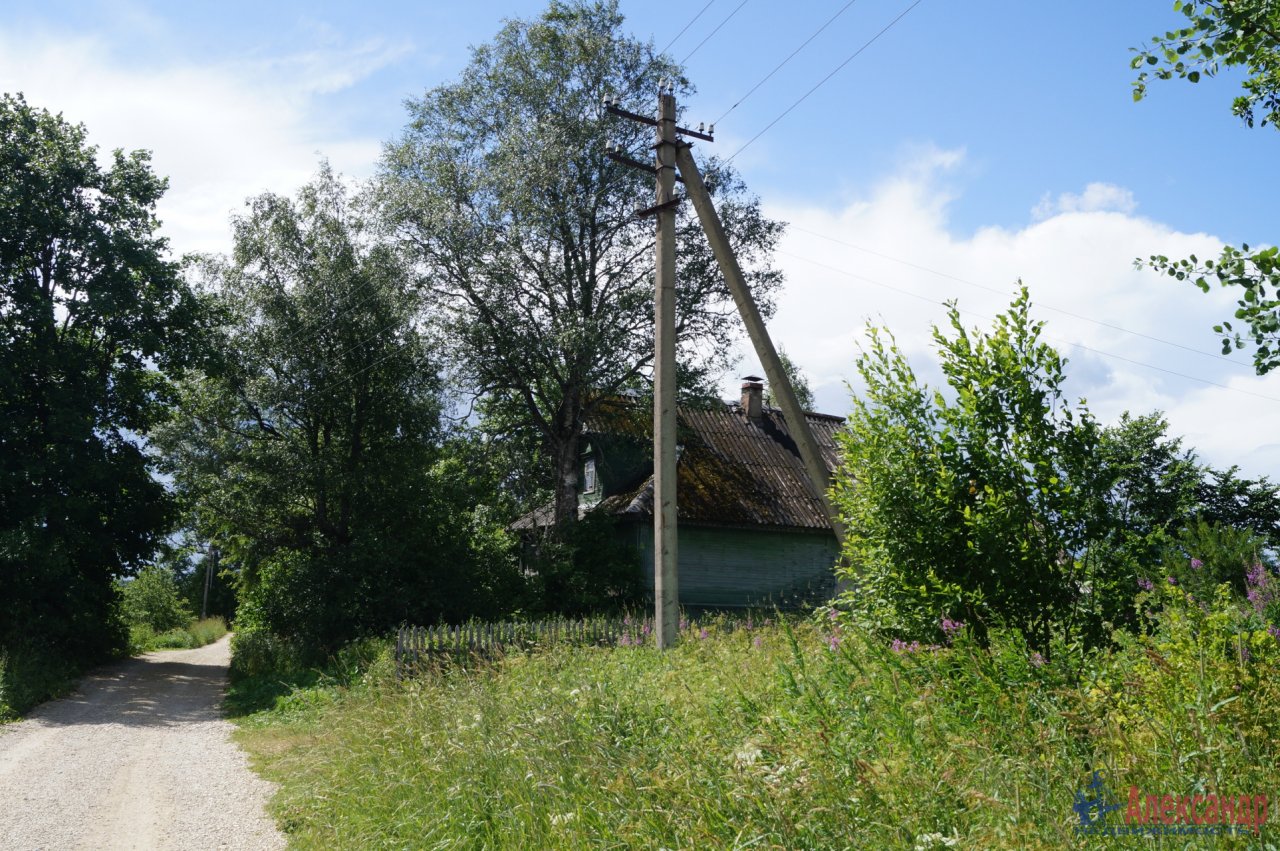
<point x="138" y="757"/>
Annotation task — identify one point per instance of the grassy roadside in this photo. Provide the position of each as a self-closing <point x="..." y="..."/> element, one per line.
<point x="198" y="633"/>
<point x="793" y="737"/>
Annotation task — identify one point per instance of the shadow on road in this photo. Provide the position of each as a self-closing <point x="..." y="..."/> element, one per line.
<point x="141" y="692"/>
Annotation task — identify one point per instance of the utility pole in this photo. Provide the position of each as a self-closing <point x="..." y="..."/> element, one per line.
<point x="672" y="155"/>
<point x="778" y="380"/>
<point x="666" y="597"/>
<point x="210" y="565"/>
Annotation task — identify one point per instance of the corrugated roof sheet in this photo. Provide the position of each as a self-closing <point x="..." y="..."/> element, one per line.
<point x="733" y="471"/>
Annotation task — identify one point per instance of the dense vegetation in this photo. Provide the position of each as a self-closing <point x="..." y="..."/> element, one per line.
<point x="801" y="735"/>
<point x="91" y="311"/>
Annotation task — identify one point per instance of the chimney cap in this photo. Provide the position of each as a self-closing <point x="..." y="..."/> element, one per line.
<point x="755" y="379"/>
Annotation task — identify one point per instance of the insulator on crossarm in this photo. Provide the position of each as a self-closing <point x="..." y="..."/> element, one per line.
<point x="711" y="131"/>
<point x="700" y="126"/>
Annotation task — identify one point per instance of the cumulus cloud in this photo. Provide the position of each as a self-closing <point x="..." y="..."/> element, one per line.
<point x="1096" y="197"/>
<point x="1135" y="341"/>
<point x="220" y="131"/>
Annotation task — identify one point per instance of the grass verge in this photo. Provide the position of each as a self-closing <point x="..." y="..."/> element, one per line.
<point x="804" y="736"/>
<point x="143" y="639"/>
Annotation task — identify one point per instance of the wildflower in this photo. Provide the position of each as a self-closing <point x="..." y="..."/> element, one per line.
<point x="759" y="642"/>
<point x="624" y="640"/>
<point x="562" y="818"/>
<point x="832" y="614"/>
<point x="833" y="641"/>
<point x="951" y="628"/>
<point x="1172" y="581"/>
<point x="626" y="621"/>
<point x="684" y="624"/>
<point x="647" y="628"/>
<point x="1036" y="659"/>
<point x="1196" y="564"/>
<point x="703" y="633"/>
<point x="1274" y="632"/>
<point x="1145" y="584"/>
<point x="747" y="754"/>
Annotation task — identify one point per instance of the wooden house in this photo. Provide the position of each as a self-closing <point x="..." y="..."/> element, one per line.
<point x="751" y="532"/>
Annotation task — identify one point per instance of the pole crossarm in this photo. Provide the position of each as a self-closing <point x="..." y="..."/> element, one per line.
<point x="653" y="122"/>
<point x="797" y="424"/>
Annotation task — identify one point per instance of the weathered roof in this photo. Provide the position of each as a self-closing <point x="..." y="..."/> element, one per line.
<point x="732" y="470"/>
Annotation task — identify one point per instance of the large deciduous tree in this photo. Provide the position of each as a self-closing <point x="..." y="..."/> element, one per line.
<point x="90" y="307"/>
<point x="527" y="235"/>
<point x="1233" y="34"/>
<point x="311" y="453"/>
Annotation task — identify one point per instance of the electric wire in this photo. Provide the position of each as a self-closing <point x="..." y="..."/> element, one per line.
<point x="713" y="32"/>
<point x="820" y="83"/>
<point x="778" y="67"/>
<point x="1056" y="338"/>
<point x="692" y="21"/>
<point x="1100" y="322"/>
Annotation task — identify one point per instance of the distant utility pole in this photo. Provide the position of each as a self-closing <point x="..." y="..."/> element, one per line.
<point x="210" y="565"/>
<point x="672" y="152"/>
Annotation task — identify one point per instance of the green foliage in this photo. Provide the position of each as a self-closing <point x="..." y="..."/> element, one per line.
<point x="798" y="736"/>
<point x="151" y="599"/>
<point x="310" y="453"/>
<point x="799" y="383"/>
<point x="974" y="507"/>
<point x="1222" y="33"/>
<point x="501" y="188"/>
<point x="1258" y="308"/>
<point x="90" y="307"/>
<point x="588" y="570"/>
<point x="143" y="638"/>
<point x="1236" y="34"/>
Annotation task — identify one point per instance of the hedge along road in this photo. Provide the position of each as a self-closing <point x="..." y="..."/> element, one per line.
<point x="138" y="757"/>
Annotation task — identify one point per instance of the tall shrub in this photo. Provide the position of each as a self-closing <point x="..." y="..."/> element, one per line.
<point x="975" y="504"/>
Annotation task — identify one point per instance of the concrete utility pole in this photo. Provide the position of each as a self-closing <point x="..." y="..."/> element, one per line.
<point x="778" y="380"/>
<point x="666" y="597"/>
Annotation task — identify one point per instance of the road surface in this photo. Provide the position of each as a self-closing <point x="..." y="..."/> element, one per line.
<point x="138" y="757"/>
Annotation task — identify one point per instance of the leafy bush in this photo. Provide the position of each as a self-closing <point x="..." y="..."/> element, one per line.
<point x="31" y="674"/>
<point x="151" y="599"/>
<point x="976" y="506"/>
<point x="590" y="570"/>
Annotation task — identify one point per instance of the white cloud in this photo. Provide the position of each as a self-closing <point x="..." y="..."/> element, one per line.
<point x="220" y="131"/>
<point x="890" y="257"/>
<point x="1096" y="197"/>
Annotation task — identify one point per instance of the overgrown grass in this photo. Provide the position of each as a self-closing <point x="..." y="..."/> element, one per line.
<point x="796" y="736"/>
<point x="198" y="633"/>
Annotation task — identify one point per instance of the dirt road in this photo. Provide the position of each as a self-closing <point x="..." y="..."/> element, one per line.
<point x="138" y="757"/>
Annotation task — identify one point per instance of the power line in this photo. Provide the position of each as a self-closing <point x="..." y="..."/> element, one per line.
<point x="983" y="316"/>
<point x="778" y="67"/>
<point x="834" y="71"/>
<point x="685" y="29"/>
<point x="1063" y="311"/>
<point x="713" y="32"/>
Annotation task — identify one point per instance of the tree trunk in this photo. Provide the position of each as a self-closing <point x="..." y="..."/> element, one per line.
<point x="564" y="452"/>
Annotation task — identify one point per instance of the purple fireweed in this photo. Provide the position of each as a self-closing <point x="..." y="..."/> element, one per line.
<point x="1036" y="659"/>
<point x="1145" y="584"/>
<point x="647" y="628"/>
<point x="758" y="642"/>
<point x="951" y="628"/>
<point x="1173" y="581"/>
<point x="1196" y="564"/>
<point x="1274" y="632"/>
<point x="703" y="634"/>
<point x="833" y="641"/>
<point x="900" y="646"/>
<point x="684" y="624"/>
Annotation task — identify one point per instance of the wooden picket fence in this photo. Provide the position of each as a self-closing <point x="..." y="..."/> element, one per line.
<point x="417" y="644"/>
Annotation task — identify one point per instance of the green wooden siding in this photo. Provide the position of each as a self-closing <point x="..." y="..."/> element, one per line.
<point x="732" y="568"/>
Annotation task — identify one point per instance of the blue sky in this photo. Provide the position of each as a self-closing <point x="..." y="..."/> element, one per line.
<point x="971" y="144"/>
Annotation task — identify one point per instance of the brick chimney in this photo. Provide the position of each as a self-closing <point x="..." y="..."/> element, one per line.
<point x="752" y="396"/>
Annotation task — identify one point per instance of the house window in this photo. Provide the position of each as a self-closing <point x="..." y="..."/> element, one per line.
<point x="589" y="476"/>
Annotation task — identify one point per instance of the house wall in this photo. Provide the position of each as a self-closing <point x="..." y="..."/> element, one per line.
<point x="734" y="568"/>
